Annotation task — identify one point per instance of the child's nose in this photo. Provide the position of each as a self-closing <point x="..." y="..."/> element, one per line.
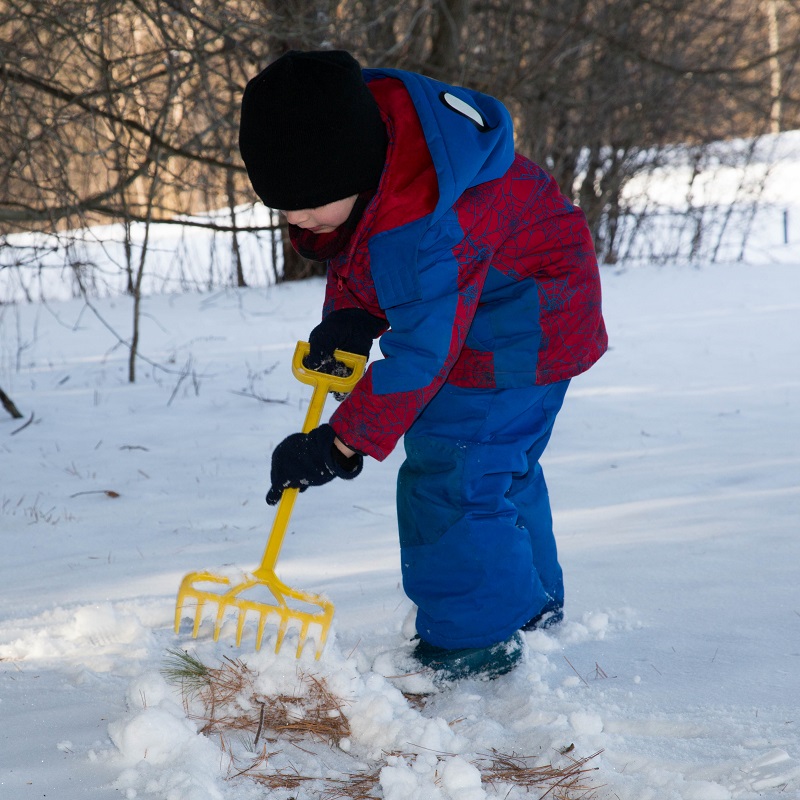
<point x="296" y="217"/>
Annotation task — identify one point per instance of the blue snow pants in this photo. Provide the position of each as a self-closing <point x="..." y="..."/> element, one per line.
<point x="476" y="532"/>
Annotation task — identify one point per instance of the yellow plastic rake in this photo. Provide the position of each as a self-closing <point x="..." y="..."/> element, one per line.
<point x="289" y="605"/>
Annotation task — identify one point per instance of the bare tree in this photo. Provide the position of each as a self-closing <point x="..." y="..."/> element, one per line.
<point x="127" y="112"/>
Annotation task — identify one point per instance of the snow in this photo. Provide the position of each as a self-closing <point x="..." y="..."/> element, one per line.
<point x="674" y="474"/>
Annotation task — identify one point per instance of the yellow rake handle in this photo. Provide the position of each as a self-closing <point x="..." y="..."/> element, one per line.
<point x="322" y="383"/>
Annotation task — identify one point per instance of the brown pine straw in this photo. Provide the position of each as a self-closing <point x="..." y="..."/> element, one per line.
<point x="314" y="713"/>
<point x="355" y="786"/>
<point x="562" y="783"/>
<point x="559" y="783"/>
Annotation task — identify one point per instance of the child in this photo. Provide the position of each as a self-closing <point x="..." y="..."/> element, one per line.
<point x="480" y="277"/>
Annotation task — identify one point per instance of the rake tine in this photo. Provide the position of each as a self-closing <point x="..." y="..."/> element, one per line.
<point x="219" y="620"/>
<point x="262" y="621"/>
<point x="178" y="611"/>
<point x="323" y="636"/>
<point x="303" y="636"/>
<point x="240" y="625"/>
<point x="281" y="632"/>
<point x="198" y="616"/>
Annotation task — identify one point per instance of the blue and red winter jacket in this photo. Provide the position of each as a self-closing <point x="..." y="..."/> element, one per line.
<point x="485" y="273"/>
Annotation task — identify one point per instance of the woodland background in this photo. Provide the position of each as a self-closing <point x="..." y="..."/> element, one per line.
<point x="126" y="112"/>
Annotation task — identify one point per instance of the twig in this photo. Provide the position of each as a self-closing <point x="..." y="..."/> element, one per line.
<point x="185" y="372"/>
<point x="260" y="724"/>
<point x="22" y="427"/>
<point x="120" y="340"/>
<point x="576" y="671"/>
<point x="260" y="399"/>
<point x="355" y="647"/>
<point x="599" y="672"/>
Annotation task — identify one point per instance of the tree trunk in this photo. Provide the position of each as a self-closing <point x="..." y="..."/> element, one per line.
<point x="446" y="42"/>
<point x="774" y="67"/>
<point x="236" y="252"/>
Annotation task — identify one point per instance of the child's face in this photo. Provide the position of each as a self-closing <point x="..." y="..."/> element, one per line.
<point x="322" y="219"/>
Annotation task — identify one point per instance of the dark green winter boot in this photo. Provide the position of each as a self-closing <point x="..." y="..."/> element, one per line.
<point x="549" y="616"/>
<point x="471" y="662"/>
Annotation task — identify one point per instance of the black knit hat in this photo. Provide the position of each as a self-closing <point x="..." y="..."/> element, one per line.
<point x="311" y="132"/>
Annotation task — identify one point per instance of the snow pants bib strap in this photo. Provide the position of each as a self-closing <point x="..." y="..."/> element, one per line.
<point x="478" y="553"/>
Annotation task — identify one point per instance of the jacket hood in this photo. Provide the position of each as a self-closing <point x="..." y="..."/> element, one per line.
<point x="469" y="134"/>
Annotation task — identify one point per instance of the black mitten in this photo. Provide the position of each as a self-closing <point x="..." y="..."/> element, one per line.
<point x="348" y="329"/>
<point x="309" y="459"/>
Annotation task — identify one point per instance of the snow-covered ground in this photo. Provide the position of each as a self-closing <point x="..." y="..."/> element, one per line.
<point x="674" y="474"/>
